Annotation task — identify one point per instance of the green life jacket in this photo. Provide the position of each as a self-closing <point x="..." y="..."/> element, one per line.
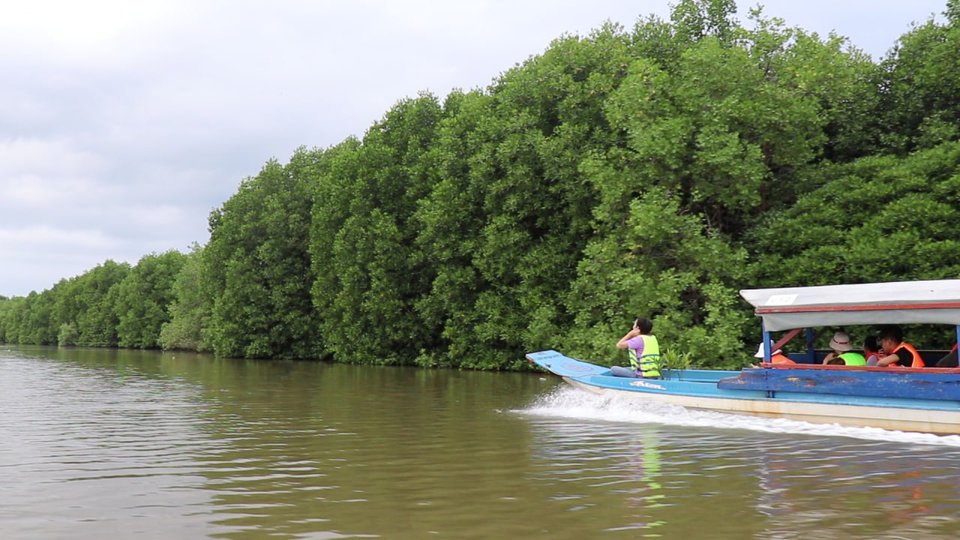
<point x="649" y="362"/>
<point x="853" y="359"/>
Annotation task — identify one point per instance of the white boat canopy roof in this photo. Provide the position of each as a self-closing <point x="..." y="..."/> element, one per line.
<point x="904" y="302"/>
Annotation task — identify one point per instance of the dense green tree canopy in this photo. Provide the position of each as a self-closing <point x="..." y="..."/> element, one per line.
<point x="256" y="268"/>
<point x="650" y="171"/>
<point x="921" y="86"/>
<point x="190" y="308"/>
<point x="369" y="273"/>
<point x="143" y="299"/>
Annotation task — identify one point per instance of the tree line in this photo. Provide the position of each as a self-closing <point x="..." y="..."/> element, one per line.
<point x="653" y="171"/>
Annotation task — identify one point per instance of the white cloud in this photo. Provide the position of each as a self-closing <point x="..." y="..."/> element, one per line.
<point x="67" y="34"/>
<point x="44" y="237"/>
<point x="45" y="157"/>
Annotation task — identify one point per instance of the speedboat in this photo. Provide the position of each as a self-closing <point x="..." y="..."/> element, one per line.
<point x="894" y="398"/>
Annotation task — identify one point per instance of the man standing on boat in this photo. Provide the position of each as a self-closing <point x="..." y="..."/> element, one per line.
<point x="643" y="349"/>
<point x="897" y="352"/>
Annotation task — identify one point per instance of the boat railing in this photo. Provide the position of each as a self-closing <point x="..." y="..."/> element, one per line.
<point x="861" y="368"/>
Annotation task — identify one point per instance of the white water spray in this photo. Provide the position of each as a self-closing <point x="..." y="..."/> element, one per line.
<point x="566" y="402"/>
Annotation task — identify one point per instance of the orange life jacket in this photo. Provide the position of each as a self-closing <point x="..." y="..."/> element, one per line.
<point x="917" y="360"/>
<point x="781" y="358"/>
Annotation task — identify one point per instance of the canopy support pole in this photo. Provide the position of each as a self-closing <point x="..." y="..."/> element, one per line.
<point x="767" y="352"/>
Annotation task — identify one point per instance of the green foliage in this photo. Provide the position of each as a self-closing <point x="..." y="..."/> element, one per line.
<point x="190" y="309"/>
<point x="920" y="98"/>
<point x="877" y="219"/>
<point x="718" y="129"/>
<point x="673" y="359"/>
<point x="841" y="82"/>
<point x="75" y="311"/>
<point x="97" y="320"/>
<point x="11" y="310"/>
<point x="6" y="308"/>
<point x="369" y="273"/>
<point x="67" y="335"/>
<point x="257" y="269"/>
<point x="143" y="297"/>
<point x="508" y="217"/>
<point x="650" y="173"/>
<point x="695" y="20"/>
<point x="447" y="221"/>
<point x="665" y="265"/>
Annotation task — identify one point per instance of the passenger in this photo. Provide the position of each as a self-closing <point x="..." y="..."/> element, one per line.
<point x="897" y="352"/>
<point x="643" y="350"/>
<point x="842" y="352"/>
<point x="871" y="350"/>
<point x="950" y="359"/>
<point x="777" y="357"/>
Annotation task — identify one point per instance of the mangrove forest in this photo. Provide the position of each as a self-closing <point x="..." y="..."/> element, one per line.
<point x="652" y="171"/>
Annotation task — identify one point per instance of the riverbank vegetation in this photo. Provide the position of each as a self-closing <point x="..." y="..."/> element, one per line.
<point x="653" y="171"/>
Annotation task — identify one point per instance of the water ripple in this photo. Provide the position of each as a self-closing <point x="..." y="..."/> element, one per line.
<point x="102" y="445"/>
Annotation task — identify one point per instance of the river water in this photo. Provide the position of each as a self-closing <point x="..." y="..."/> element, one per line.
<point x="130" y="444"/>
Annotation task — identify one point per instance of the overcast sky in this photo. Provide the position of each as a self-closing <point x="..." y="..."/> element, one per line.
<point x="122" y="124"/>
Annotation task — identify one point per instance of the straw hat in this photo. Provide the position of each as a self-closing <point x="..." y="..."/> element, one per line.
<point x="840" y="342"/>
<point x="760" y="351"/>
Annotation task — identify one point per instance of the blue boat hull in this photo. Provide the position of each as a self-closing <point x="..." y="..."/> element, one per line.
<point x="877" y="398"/>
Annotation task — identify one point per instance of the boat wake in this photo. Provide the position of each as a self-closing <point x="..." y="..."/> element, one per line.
<point x="571" y="403"/>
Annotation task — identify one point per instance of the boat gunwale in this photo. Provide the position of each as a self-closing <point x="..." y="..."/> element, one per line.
<point x="875" y="369"/>
<point x="693" y="389"/>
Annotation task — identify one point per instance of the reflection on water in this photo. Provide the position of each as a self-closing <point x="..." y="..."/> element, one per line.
<point x="644" y="466"/>
<point x="750" y="479"/>
<point x="136" y="444"/>
<point x="107" y="444"/>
